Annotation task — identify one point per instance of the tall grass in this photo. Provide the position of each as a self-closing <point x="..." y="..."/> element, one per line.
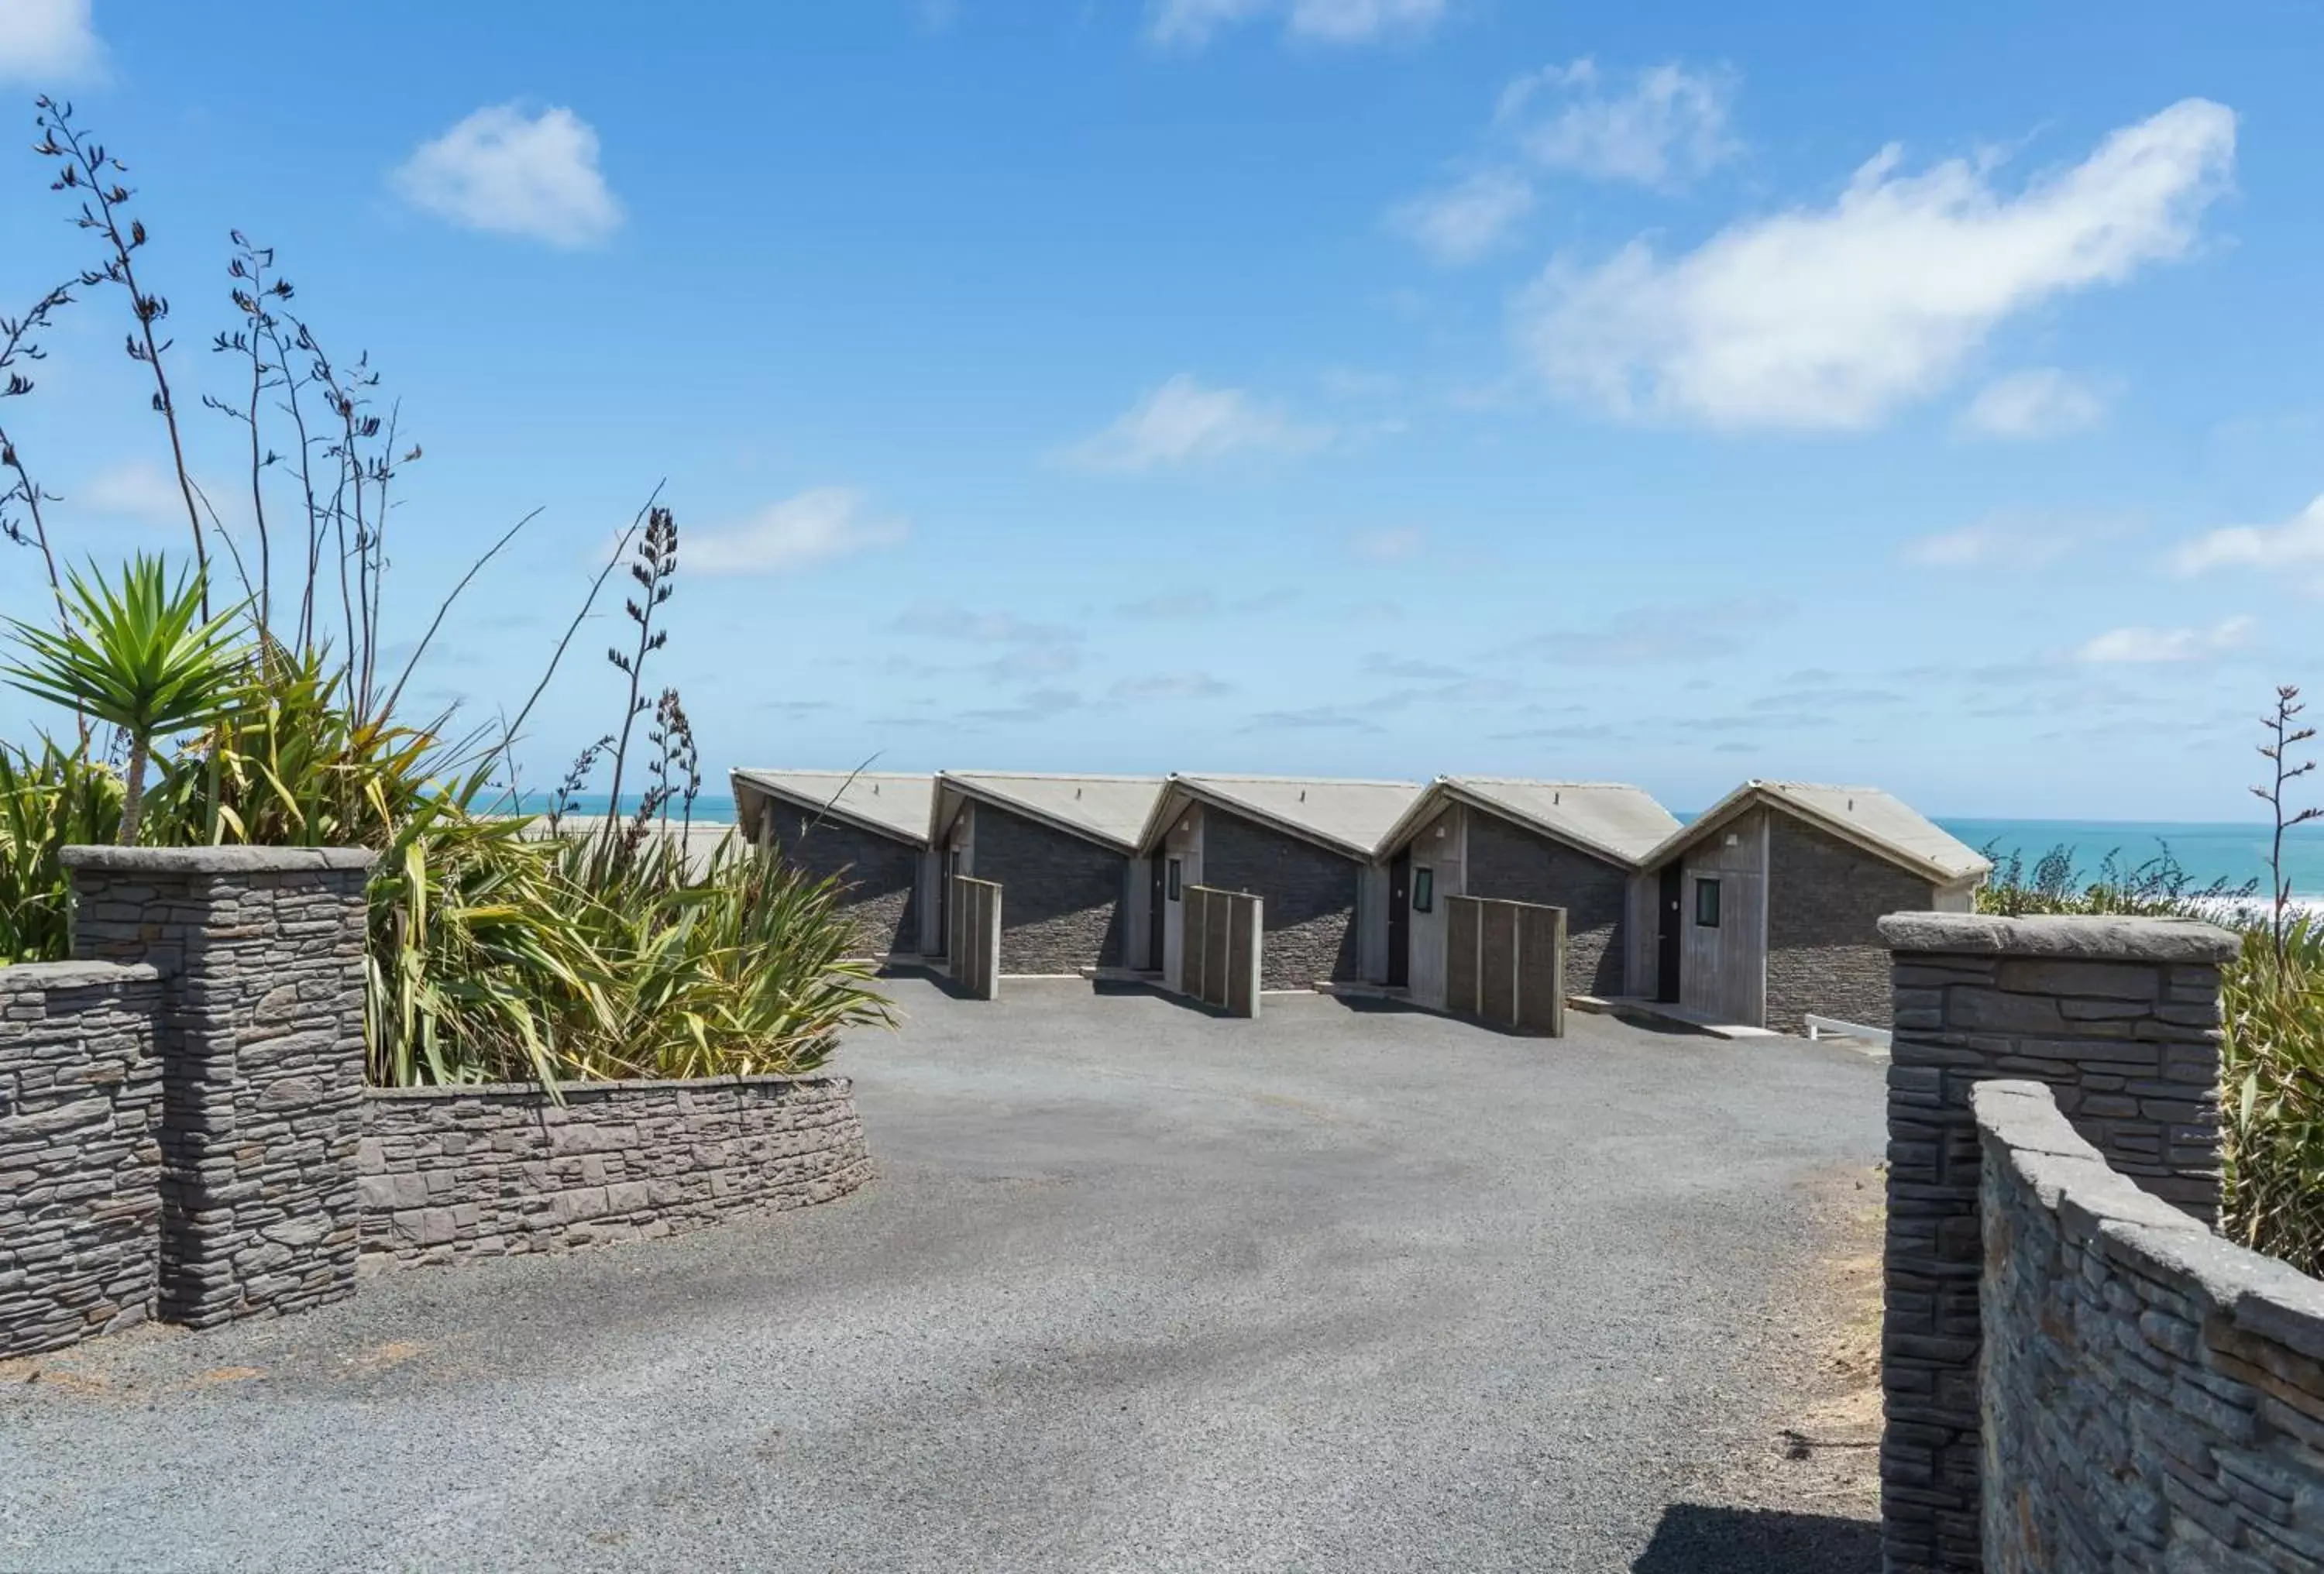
<point x="2272" y="1095"/>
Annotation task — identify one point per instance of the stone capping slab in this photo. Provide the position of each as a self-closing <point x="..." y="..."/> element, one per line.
<point x="2061" y="936"/>
<point x="604" y="1088"/>
<point x="75" y="975"/>
<point x="217" y="860"/>
<point x="2268" y="1299"/>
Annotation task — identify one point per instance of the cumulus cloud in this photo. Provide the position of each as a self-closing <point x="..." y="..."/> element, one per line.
<point x="1833" y="317"/>
<point x="2039" y="402"/>
<point x="1660" y="126"/>
<point x="2296" y="544"/>
<point x="1468" y="219"/>
<point x="1182" y="422"/>
<point x="821" y="523"/>
<point x="510" y="173"/>
<point x="1192" y="24"/>
<point x="48" y="42"/>
<point x="2144" y="645"/>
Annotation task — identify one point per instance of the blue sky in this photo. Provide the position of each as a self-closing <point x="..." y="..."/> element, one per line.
<point x="1663" y="393"/>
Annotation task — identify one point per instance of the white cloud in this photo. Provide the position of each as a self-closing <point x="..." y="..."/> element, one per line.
<point x="1182" y="422"/>
<point x="506" y="173"/>
<point x="137" y="489"/>
<point x="1833" y="317"/>
<point x="2041" y="402"/>
<point x="1173" y="686"/>
<point x="1465" y="220"/>
<point x="1656" y="127"/>
<point x="2297" y="543"/>
<point x="1191" y="23"/>
<point x="2003" y="540"/>
<point x="2142" y="646"/>
<point x="1391" y="545"/>
<point x="48" y="42"/>
<point x="818" y="524"/>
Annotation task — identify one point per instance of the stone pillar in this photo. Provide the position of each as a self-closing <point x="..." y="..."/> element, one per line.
<point x="260" y="954"/>
<point x="2120" y="1016"/>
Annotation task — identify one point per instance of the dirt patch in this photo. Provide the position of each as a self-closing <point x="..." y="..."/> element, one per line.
<point x="1823" y="1457"/>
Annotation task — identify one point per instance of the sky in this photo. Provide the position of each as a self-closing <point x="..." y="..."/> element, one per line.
<point x="1664" y="394"/>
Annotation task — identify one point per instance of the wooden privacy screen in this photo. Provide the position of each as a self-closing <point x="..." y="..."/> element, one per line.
<point x="1220" y="949"/>
<point x="1505" y="963"/>
<point x="973" y="936"/>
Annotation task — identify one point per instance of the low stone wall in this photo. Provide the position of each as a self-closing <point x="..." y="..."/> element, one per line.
<point x="455" y="1173"/>
<point x="2152" y="1396"/>
<point x="2119" y="1016"/>
<point x="80" y="1152"/>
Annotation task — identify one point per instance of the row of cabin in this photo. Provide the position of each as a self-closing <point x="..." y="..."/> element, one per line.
<point x="1763" y="911"/>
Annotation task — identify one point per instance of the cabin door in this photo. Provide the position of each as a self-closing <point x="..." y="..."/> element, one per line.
<point x="1155" y="878"/>
<point x="1670" y="934"/>
<point x="1399" y="921"/>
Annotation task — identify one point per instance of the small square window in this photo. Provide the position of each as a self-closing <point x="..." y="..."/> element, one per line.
<point x="1706" y="903"/>
<point x="1170" y="880"/>
<point x="1424" y="890"/>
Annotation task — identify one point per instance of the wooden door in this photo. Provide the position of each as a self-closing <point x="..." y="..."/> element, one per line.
<point x="1670" y="935"/>
<point x="1399" y="921"/>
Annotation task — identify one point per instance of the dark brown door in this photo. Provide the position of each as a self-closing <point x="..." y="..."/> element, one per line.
<point x="1154" y="923"/>
<point x="1670" y="930"/>
<point x="1399" y="921"/>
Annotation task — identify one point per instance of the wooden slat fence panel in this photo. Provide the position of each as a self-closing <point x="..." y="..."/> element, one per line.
<point x="1222" y="949"/>
<point x="1541" y="969"/>
<point x="972" y="932"/>
<point x="1505" y="963"/>
<point x="1462" y="915"/>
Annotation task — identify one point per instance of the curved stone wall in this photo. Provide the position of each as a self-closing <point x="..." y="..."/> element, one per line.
<point x="487" y="1171"/>
<point x="2152" y="1396"/>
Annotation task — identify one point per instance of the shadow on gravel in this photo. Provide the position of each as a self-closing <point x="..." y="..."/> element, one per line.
<point x="1694" y="1540"/>
<point x="1168" y="997"/>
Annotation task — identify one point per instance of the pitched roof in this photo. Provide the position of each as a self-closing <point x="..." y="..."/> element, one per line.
<point x="1349" y="817"/>
<point x="890" y="803"/>
<point x="1876" y="821"/>
<point x="1616" y="821"/>
<point x="1111" y="810"/>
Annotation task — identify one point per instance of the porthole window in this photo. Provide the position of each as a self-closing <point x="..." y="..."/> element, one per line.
<point x="1424" y="890"/>
<point x="1706" y="903"/>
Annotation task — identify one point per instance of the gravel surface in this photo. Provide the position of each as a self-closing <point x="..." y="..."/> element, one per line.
<point x="1345" y="1288"/>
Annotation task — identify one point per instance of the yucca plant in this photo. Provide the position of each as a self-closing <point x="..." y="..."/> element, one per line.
<point x="139" y="656"/>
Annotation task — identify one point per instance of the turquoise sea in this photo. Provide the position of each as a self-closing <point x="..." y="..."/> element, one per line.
<point x="2231" y="852"/>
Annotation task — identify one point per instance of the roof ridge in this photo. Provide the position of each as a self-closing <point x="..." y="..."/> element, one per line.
<point x="1060" y="775"/>
<point x="1294" y="780"/>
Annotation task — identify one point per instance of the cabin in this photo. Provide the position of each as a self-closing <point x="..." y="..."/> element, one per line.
<point x="1302" y="845"/>
<point x="869" y="832"/>
<point x="1575" y="846"/>
<point x="1766" y="909"/>
<point x="1064" y="849"/>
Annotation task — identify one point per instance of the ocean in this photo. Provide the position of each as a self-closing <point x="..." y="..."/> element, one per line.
<point x="2232" y="852"/>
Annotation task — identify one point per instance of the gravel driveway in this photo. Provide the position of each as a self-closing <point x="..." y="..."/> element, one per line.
<point x="1135" y="1289"/>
